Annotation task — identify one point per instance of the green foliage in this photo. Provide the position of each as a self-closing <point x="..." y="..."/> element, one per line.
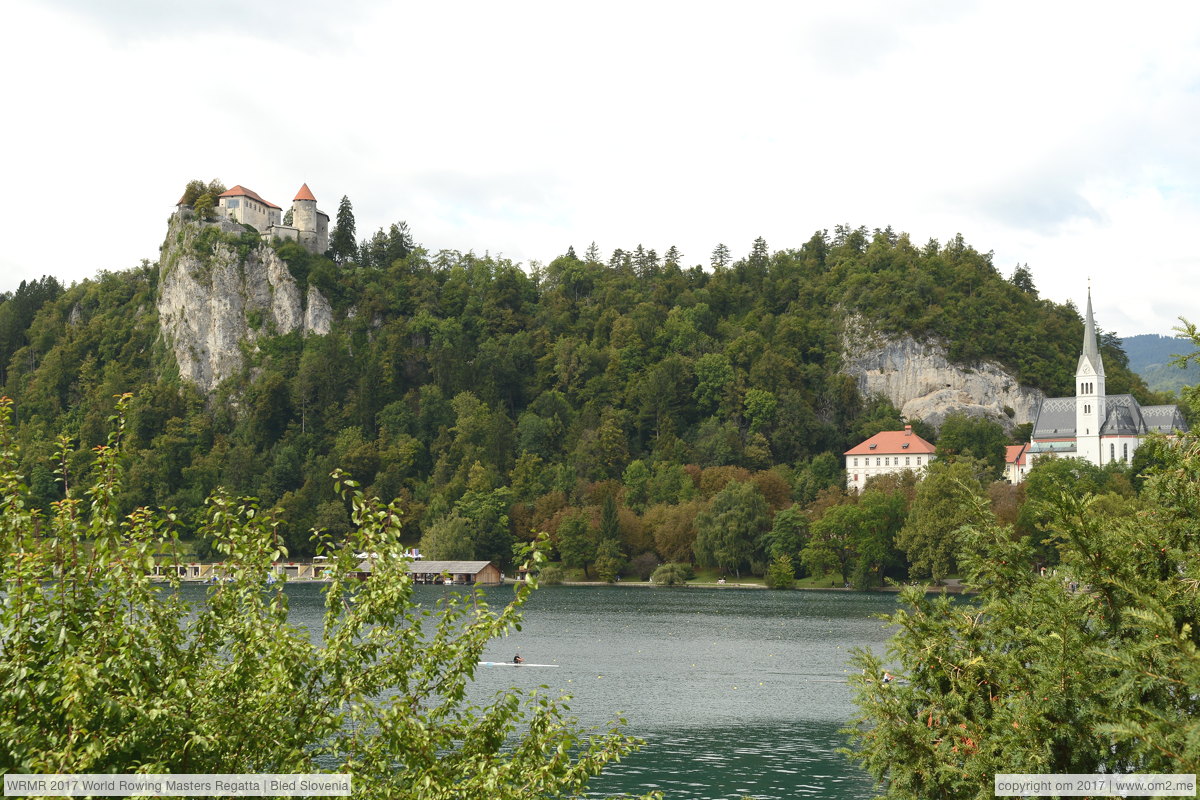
<point x="575" y="543"/>
<point x="673" y="574"/>
<point x="583" y="371"/>
<point x="789" y="531"/>
<point x="943" y="506"/>
<point x="1089" y="668"/>
<point x="343" y="242"/>
<point x="449" y="539"/>
<point x="729" y="532"/>
<point x="550" y="575"/>
<point x="781" y="574"/>
<point x="976" y="437"/>
<point x="105" y="671"/>
<point x="856" y="539"/>
<point x="196" y="189"/>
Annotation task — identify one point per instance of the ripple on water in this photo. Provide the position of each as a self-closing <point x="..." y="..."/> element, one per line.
<point x="771" y="761"/>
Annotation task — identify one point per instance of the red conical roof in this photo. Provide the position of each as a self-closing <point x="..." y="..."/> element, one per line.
<point x="304" y="194"/>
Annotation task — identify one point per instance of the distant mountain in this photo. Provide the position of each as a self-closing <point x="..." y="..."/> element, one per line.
<point x="1150" y="356"/>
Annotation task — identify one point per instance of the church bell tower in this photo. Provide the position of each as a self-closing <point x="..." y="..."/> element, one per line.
<point x="1089" y="393"/>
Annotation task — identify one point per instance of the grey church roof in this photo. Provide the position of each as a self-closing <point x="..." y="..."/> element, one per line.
<point x="1164" y="419"/>
<point x="1055" y="419"/>
<point x="1123" y="416"/>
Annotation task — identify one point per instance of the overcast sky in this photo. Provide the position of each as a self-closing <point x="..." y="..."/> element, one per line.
<point x="1062" y="135"/>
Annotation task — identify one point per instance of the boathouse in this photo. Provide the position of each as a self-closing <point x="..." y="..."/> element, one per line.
<point x="465" y="573"/>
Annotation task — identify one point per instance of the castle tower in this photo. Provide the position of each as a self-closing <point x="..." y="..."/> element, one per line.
<point x="1089" y="393"/>
<point x="304" y="216"/>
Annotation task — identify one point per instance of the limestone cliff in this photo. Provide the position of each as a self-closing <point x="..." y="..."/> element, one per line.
<point x="918" y="379"/>
<point x="219" y="291"/>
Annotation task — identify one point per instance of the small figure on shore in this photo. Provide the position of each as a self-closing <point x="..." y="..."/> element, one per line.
<point x="720" y="580"/>
<point x="887" y="677"/>
<point x="517" y="659"/>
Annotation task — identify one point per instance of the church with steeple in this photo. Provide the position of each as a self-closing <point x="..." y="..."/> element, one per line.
<point x="1092" y="425"/>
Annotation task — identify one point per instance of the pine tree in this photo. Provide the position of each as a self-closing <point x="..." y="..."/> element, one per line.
<point x="720" y="257"/>
<point x="342" y="243"/>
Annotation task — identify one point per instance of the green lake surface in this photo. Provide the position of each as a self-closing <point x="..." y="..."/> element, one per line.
<point x="737" y="692"/>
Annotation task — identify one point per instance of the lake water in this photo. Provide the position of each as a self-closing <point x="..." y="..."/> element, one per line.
<point x="733" y="690"/>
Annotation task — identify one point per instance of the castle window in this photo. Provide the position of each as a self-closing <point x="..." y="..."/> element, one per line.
<point x="906" y="460"/>
<point x="877" y="462"/>
<point x="1126" y="448"/>
<point x="918" y="461"/>
<point x="232" y="202"/>
<point x="1112" y="452"/>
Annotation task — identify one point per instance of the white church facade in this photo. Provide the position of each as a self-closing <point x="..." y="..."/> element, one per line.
<point x="1093" y="425"/>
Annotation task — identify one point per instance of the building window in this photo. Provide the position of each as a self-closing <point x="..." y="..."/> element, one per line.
<point x="232" y="202"/>
<point x="906" y="460"/>
<point x="887" y="462"/>
<point x="918" y="461"/>
<point x="1112" y="452"/>
<point x="877" y="462"/>
<point x="1125" y="457"/>
<point x="856" y="462"/>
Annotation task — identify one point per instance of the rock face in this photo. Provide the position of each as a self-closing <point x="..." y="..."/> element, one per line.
<point x="216" y="297"/>
<point x="922" y="384"/>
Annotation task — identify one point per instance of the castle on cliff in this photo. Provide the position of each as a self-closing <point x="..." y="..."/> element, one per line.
<point x="309" y="225"/>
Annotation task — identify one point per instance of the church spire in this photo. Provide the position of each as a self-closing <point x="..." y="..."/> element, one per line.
<point x="1091" y="350"/>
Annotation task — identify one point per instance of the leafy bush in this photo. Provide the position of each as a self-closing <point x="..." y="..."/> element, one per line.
<point x="116" y="675"/>
<point x="781" y="574"/>
<point x="551" y="575"/>
<point x="673" y="574"/>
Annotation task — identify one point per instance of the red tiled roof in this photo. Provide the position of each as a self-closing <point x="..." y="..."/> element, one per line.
<point x="304" y="194"/>
<point x="242" y="191"/>
<point x="1015" y="454"/>
<point x="891" y="442"/>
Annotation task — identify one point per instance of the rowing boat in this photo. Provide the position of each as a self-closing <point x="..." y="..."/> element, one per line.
<point x="511" y="664"/>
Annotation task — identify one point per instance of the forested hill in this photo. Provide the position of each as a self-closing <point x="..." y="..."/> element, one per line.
<point x="1150" y="357"/>
<point x="497" y="396"/>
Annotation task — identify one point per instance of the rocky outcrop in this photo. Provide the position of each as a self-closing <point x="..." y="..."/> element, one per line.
<point x="919" y="381"/>
<point x="220" y="291"/>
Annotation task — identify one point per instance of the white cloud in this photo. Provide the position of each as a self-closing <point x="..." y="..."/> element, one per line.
<point x="1056" y="135"/>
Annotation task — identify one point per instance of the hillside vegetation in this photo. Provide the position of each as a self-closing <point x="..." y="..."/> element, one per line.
<point x="611" y="402"/>
<point x="1150" y="356"/>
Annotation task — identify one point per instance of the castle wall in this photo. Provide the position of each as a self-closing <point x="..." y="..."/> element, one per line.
<point x="284" y="232"/>
<point x="322" y="231"/>
<point x="248" y="211"/>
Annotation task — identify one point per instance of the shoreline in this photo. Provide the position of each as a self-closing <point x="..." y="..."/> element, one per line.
<point x="947" y="588"/>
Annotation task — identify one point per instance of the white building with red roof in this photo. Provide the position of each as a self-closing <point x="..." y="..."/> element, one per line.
<point x="245" y="206"/>
<point x="309" y="227"/>
<point x="885" y="452"/>
<point x="1016" y="462"/>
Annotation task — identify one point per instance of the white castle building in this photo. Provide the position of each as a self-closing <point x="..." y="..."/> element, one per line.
<point x="1092" y="425"/>
<point x="310" y="225"/>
